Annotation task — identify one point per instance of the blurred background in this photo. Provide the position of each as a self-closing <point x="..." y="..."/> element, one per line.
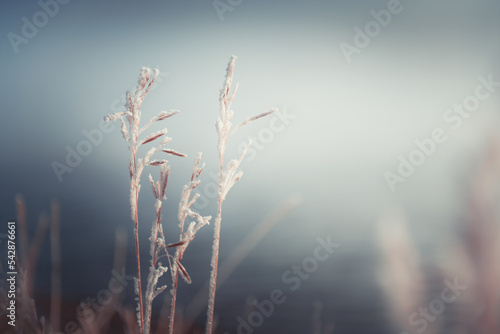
<point x="386" y="143"/>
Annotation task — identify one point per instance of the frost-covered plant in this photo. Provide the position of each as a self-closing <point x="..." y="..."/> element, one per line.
<point x="185" y="238"/>
<point x="157" y="238"/>
<point x="131" y="134"/>
<point x="227" y="176"/>
<point x="157" y="242"/>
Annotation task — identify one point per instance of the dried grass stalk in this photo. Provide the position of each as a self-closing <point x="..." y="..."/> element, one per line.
<point x="227" y="176"/>
<point x="55" y="247"/>
<point x="185" y="238"/>
<point x="130" y="133"/>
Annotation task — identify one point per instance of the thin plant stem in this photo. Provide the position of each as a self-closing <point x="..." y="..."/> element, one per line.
<point x="175" y="280"/>
<point x="137" y="252"/>
<point x="130" y="133"/>
<point x="185" y="237"/>
<point x="55" y="300"/>
<point x="215" y="260"/>
<point x="133" y="162"/>
<point x="227" y="177"/>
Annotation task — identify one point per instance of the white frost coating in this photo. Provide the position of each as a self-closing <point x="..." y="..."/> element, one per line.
<point x="138" y="308"/>
<point x="156" y="245"/>
<point x="130" y="106"/>
<point x="157" y="205"/>
<point x="253" y="118"/>
<point x="149" y="153"/>
<point x="156" y="72"/>
<point x="152" y="247"/>
<point x="159" y="192"/>
<point x="160" y="117"/>
<point x="140" y="166"/>
<point x="219" y="125"/>
<point x="144" y="76"/>
<point x="226" y="86"/>
<point x="130" y="133"/>
<point x="182" y="205"/>
<point x="136" y="285"/>
<point x="114" y="116"/>
<point x="124" y="130"/>
<point x="161" y="242"/>
<point x="133" y="204"/>
<point x="164" y="141"/>
<point x="164" y="172"/>
<point x="228" y="176"/>
<point x="186" y="236"/>
<point x="138" y="313"/>
<point x="159" y="290"/>
<point x="195" y="197"/>
<point x="153" y="188"/>
<point x="223" y="126"/>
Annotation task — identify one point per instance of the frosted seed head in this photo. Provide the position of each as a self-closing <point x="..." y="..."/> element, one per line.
<point x="153" y="136"/>
<point x="155" y="193"/>
<point x="158" y="162"/>
<point x="170" y="151"/>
